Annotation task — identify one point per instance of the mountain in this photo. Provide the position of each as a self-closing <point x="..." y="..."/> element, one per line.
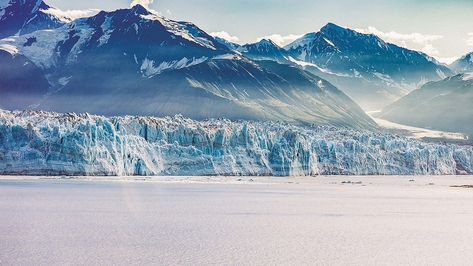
<point x="228" y="44"/>
<point x="136" y="62"/>
<point x="264" y="50"/>
<point x="374" y="73"/>
<point x="464" y="64"/>
<point x="443" y="105"/>
<point x="22" y="83"/>
<point x="87" y="145"/>
<point x="26" y="16"/>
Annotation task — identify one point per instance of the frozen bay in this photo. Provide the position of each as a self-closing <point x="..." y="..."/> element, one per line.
<point x="237" y="221"/>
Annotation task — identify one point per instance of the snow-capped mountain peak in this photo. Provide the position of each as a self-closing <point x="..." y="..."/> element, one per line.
<point x="267" y="43"/>
<point x="388" y="70"/>
<point x="185" y="30"/>
<point x="19" y="17"/>
<point x="265" y="49"/>
<point x="133" y="30"/>
<point x="334" y="28"/>
<point x="464" y="64"/>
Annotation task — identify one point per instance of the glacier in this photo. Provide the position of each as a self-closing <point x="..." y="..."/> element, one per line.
<point x="46" y="143"/>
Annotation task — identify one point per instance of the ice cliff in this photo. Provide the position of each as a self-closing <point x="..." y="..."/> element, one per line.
<point x="41" y="143"/>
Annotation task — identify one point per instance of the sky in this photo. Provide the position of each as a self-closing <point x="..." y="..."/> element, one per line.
<point x="440" y="28"/>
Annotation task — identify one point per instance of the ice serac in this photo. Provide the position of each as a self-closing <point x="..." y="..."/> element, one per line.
<point x="137" y="62"/>
<point x="25" y="16"/>
<point x="41" y="143"/>
<point x="371" y="71"/>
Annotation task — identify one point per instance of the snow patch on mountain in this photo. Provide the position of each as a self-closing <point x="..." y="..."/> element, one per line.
<point x="84" y="33"/>
<point x="182" y="29"/>
<point x="41" y="46"/>
<point x="64" y="81"/>
<point x="301" y="42"/>
<point x="329" y="42"/>
<point x="41" y="52"/>
<point x="4" y="3"/>
<point x="107" y="30"/>
<point x="13" y="50"/>
<point x="302" y="63"/>
<point x="149" y="69"/>
<point x="228" y="57"/>
<point x="324" y="70"/>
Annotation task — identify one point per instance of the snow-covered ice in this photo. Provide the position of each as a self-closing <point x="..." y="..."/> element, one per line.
<point x="41" y="143"/>
<point x="321" y="221"/>
<point x="420" y="133"/>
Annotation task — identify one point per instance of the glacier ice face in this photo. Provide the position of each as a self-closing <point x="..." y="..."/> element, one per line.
<point x="41" y="143"/>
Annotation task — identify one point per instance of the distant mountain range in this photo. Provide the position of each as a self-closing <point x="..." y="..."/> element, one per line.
<point x="136" y="62"/>
<point x="444" y="105"/>
<point x="374" y="73"/>
<point x="463" y="64"/>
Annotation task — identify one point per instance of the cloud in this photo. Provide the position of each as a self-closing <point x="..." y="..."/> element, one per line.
<point x="447" y="60"/>
<point x="430" y="50"/>
<point x="281" y="40"/>
<point x="69" y="15"/>
<point x="225" y="35"/>
<point x="469" y="41"/>
<point x="416" y="41"/>
<point x="415" y="37"/>
<point x="144" y="3"/>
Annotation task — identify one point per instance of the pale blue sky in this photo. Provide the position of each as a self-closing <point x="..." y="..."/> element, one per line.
<point x="445" y="27"/>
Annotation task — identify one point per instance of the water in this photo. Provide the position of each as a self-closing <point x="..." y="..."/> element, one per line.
<point x="382" y="221"/>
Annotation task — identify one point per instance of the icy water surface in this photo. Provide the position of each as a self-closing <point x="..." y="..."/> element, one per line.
<point x="325" y="221"/>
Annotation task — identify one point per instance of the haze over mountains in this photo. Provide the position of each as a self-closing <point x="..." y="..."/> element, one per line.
<point x="463" y="64"/>
<point x="135" y="61"/>
<point x="444" y="105"/>
<point x="374" y="73"/>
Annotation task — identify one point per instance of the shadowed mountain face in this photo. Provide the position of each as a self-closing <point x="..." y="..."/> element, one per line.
<point x="464" y="64"/>
<point x="26" y="16"/>
<point x="444" y="105"/>
<point x="133" y="61"/>
<point x="371" y="71"/>
<point x="21" y="82"/>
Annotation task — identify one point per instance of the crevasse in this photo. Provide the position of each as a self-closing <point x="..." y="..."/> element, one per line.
<point x="42" y="143"/>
